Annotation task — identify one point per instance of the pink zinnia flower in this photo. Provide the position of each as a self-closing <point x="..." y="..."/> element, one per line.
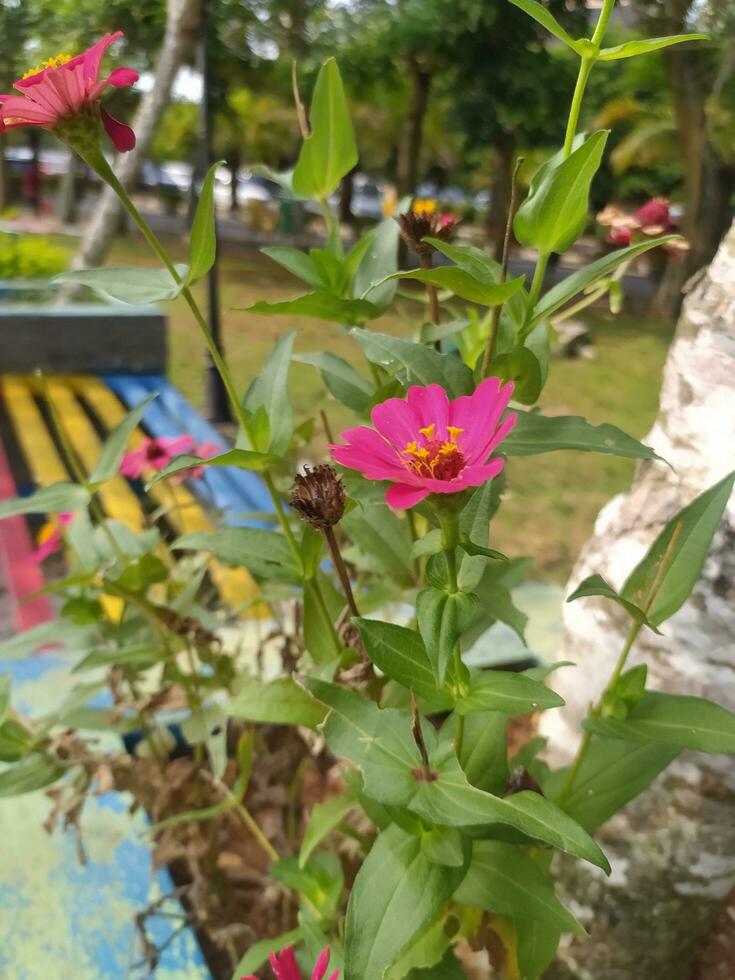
<point x="154" y="455"/>
<point x="64" y="90"/>
<point x="426" y="444"/>
<point x="49" y="537"/>
<point x="284" y="966"/>
<point x="656" y="212"/>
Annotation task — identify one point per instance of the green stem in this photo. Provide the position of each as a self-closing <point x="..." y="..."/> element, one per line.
<point x="586" y="739"/>
<point x="582" y="78"/>
<point x="99" y="164"/>
<point x="536" y="286"/>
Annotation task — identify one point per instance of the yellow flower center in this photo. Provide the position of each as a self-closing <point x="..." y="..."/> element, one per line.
<point x="433" y="458"/>
<point x="55" y="62"/>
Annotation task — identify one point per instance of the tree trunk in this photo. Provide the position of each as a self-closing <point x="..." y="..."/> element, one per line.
<point x="672" y="849"/>
<point x="68" y="191"/>
<point x="182" y="20"/>
<point x="410" y="154"/>
<point x="345" y="197"/>
<point x="707" y="181"/>
<point x="500" y="192"/>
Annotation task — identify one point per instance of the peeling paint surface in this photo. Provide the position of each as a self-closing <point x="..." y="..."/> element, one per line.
<point x="59" y="918"/>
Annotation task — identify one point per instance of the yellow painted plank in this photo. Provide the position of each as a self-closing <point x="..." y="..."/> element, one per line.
<point x="42" y="459"/>
<point x="184" y="511"/>
<point x="118" y="500"/>
<point x="39" y="449"/>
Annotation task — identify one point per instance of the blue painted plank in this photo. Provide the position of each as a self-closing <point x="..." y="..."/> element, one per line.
<point x="64" y="919"/>
<point x="227" y="489"/>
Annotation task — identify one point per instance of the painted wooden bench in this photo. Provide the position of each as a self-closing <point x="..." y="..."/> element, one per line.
<point x="62" y="919"/>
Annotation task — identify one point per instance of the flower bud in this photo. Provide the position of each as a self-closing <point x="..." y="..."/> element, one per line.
<point x="318" y="495"/>
<point x="417" y="224"/>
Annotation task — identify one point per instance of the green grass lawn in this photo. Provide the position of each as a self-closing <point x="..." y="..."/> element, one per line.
<point x="553" y="499"/>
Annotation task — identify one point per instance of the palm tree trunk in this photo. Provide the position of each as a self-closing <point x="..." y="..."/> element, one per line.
<point x="181" y="28"/>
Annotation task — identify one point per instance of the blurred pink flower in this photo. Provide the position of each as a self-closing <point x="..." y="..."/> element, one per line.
<point x="284" y="966"/>
<point x="205" y="450"/>
<point x="49" y="538"/>
<point x="64" y="91"/>
<point x="427" y="444"/>
<point x="656" y="212"/>
<point x="154" y="454"/>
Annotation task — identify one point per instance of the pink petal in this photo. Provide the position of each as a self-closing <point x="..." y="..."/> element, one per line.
<point x="132" y="464"/>
<point x="478" y="416"/>
<point x="284" y="966"/>
<point x="369" y="453"/>
<point x="431" y="406"/>
<point x="471" y="476"/>
<point x="50" y="546"/>
<point x="208" y="449"/>
<point x="122" y="77"/>
<point x="402" y="497"/>
<point x="122" y="136"/>
<point x="92" y="57"/>
<point x="504" y="429"/>
<point x="18" y="107"/>
<point x="396" y="421"/>
<point x="321" y="965"/>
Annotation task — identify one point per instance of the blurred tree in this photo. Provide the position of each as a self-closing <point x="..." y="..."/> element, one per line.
<point x="700" y="77"/>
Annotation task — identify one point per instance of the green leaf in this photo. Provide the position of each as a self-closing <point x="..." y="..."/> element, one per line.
<point x="203" y="236"/>
<point x="320" y="304"/>
<point x="522" y="368"/>
<point x="138" y="656"/>
<point x="684" y="543"/>
<point x="416" y="364"/>
<point x="449" y="800"/>
<point x="270" y="392"/>
<point x="577" y="282"/>
<point x="464" y="285"/>
<point x="555" y="212"/>
<point x="265" y="553"/>
<point x="544" y="17"/>
<point x="633" y="48"/>
<point x="371" y="280"/>
<point x="28" y="776"/>
<point x="484" y="753"/>
<point x="56" y="633"/>
<point x="134" y="286"/>
<point x="5" y="684"/>
<point x="401" y="655"/>
<point x="320" y="614"/>
<point x="506" y="691"/>
<point x="383" y="539"/>
<point x="535" y="433"/>
<point x="595" y="585"/>
<point x="108" y="464"/>
<point x="442" y="619"/>
<point x="329" y="153"/>
<point x="504" y="880"/>
<point x="323" y="819"/>
<point x="319" y="880"/>
<point x="57" y="498"/>
<point x="341" y="380"/>
<point x="16" y="741"/>
<point x="298" y="263"/>
<point x="474" y="527"/>
<point x="277" y="702"/>
<point x="677" y="720"/>
<point x="259" y="952"/>
<point x="243" y="459"/>
<point x="612" y="773"/>
<point x="397" y="893"/>
<point x="536" y="946"/>
<point x="312" y="549"/>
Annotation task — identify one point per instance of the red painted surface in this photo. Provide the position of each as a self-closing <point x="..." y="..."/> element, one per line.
<point x="20" y="570"/>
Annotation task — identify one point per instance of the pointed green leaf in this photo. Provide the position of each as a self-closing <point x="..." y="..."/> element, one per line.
<point x="329" y="153"/>
<point x="269" y="391"/>
<point x="134" y="286"/>
<point x="504" y="880"/>
<point x="677" y="720"/>
<point x="535" y="433"/>
<point x="320" y="304"/>
<point x="341" y="380"/>
<point x="544" y="17"/>
<point x="323" y="819"/>
<point x="464" y="285"/>
<point x="108" y="464"/>
<point x="259" y="952"/>
<point x="555" y="212"/>
<point x="416" y="364"/>
<point x="442" y="619"/>
<point x="203" y="237"/>
<point x="506" y="691"/>
<point x="401" y="655"/>
<point x="265" y="553"/>
<point x="298" y="263"/>
<point x="684" y="544"/>
<point x="277" y="702"/>
<point x="595" y="585"/>
<point x="633" y="48"/>
<point x="56" y="499"/>
<point x="243" y="459"/>
<point x="397" y="893"/>
<point x="27" y="776"/>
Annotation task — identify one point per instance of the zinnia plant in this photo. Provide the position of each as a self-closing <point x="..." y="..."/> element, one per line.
<point x="382" y="602"/>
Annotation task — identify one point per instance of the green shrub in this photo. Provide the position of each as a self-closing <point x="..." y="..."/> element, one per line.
<point x="30" y="257"/>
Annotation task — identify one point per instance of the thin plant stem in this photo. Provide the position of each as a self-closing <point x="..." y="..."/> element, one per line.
<point x="432" y="296"/>
<point x="573" y="122"/>
<point x="341" y="569"/>
<point x="536" y="286"/>
<point x="495" y="316"/>
<point x="247" y="818"/>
